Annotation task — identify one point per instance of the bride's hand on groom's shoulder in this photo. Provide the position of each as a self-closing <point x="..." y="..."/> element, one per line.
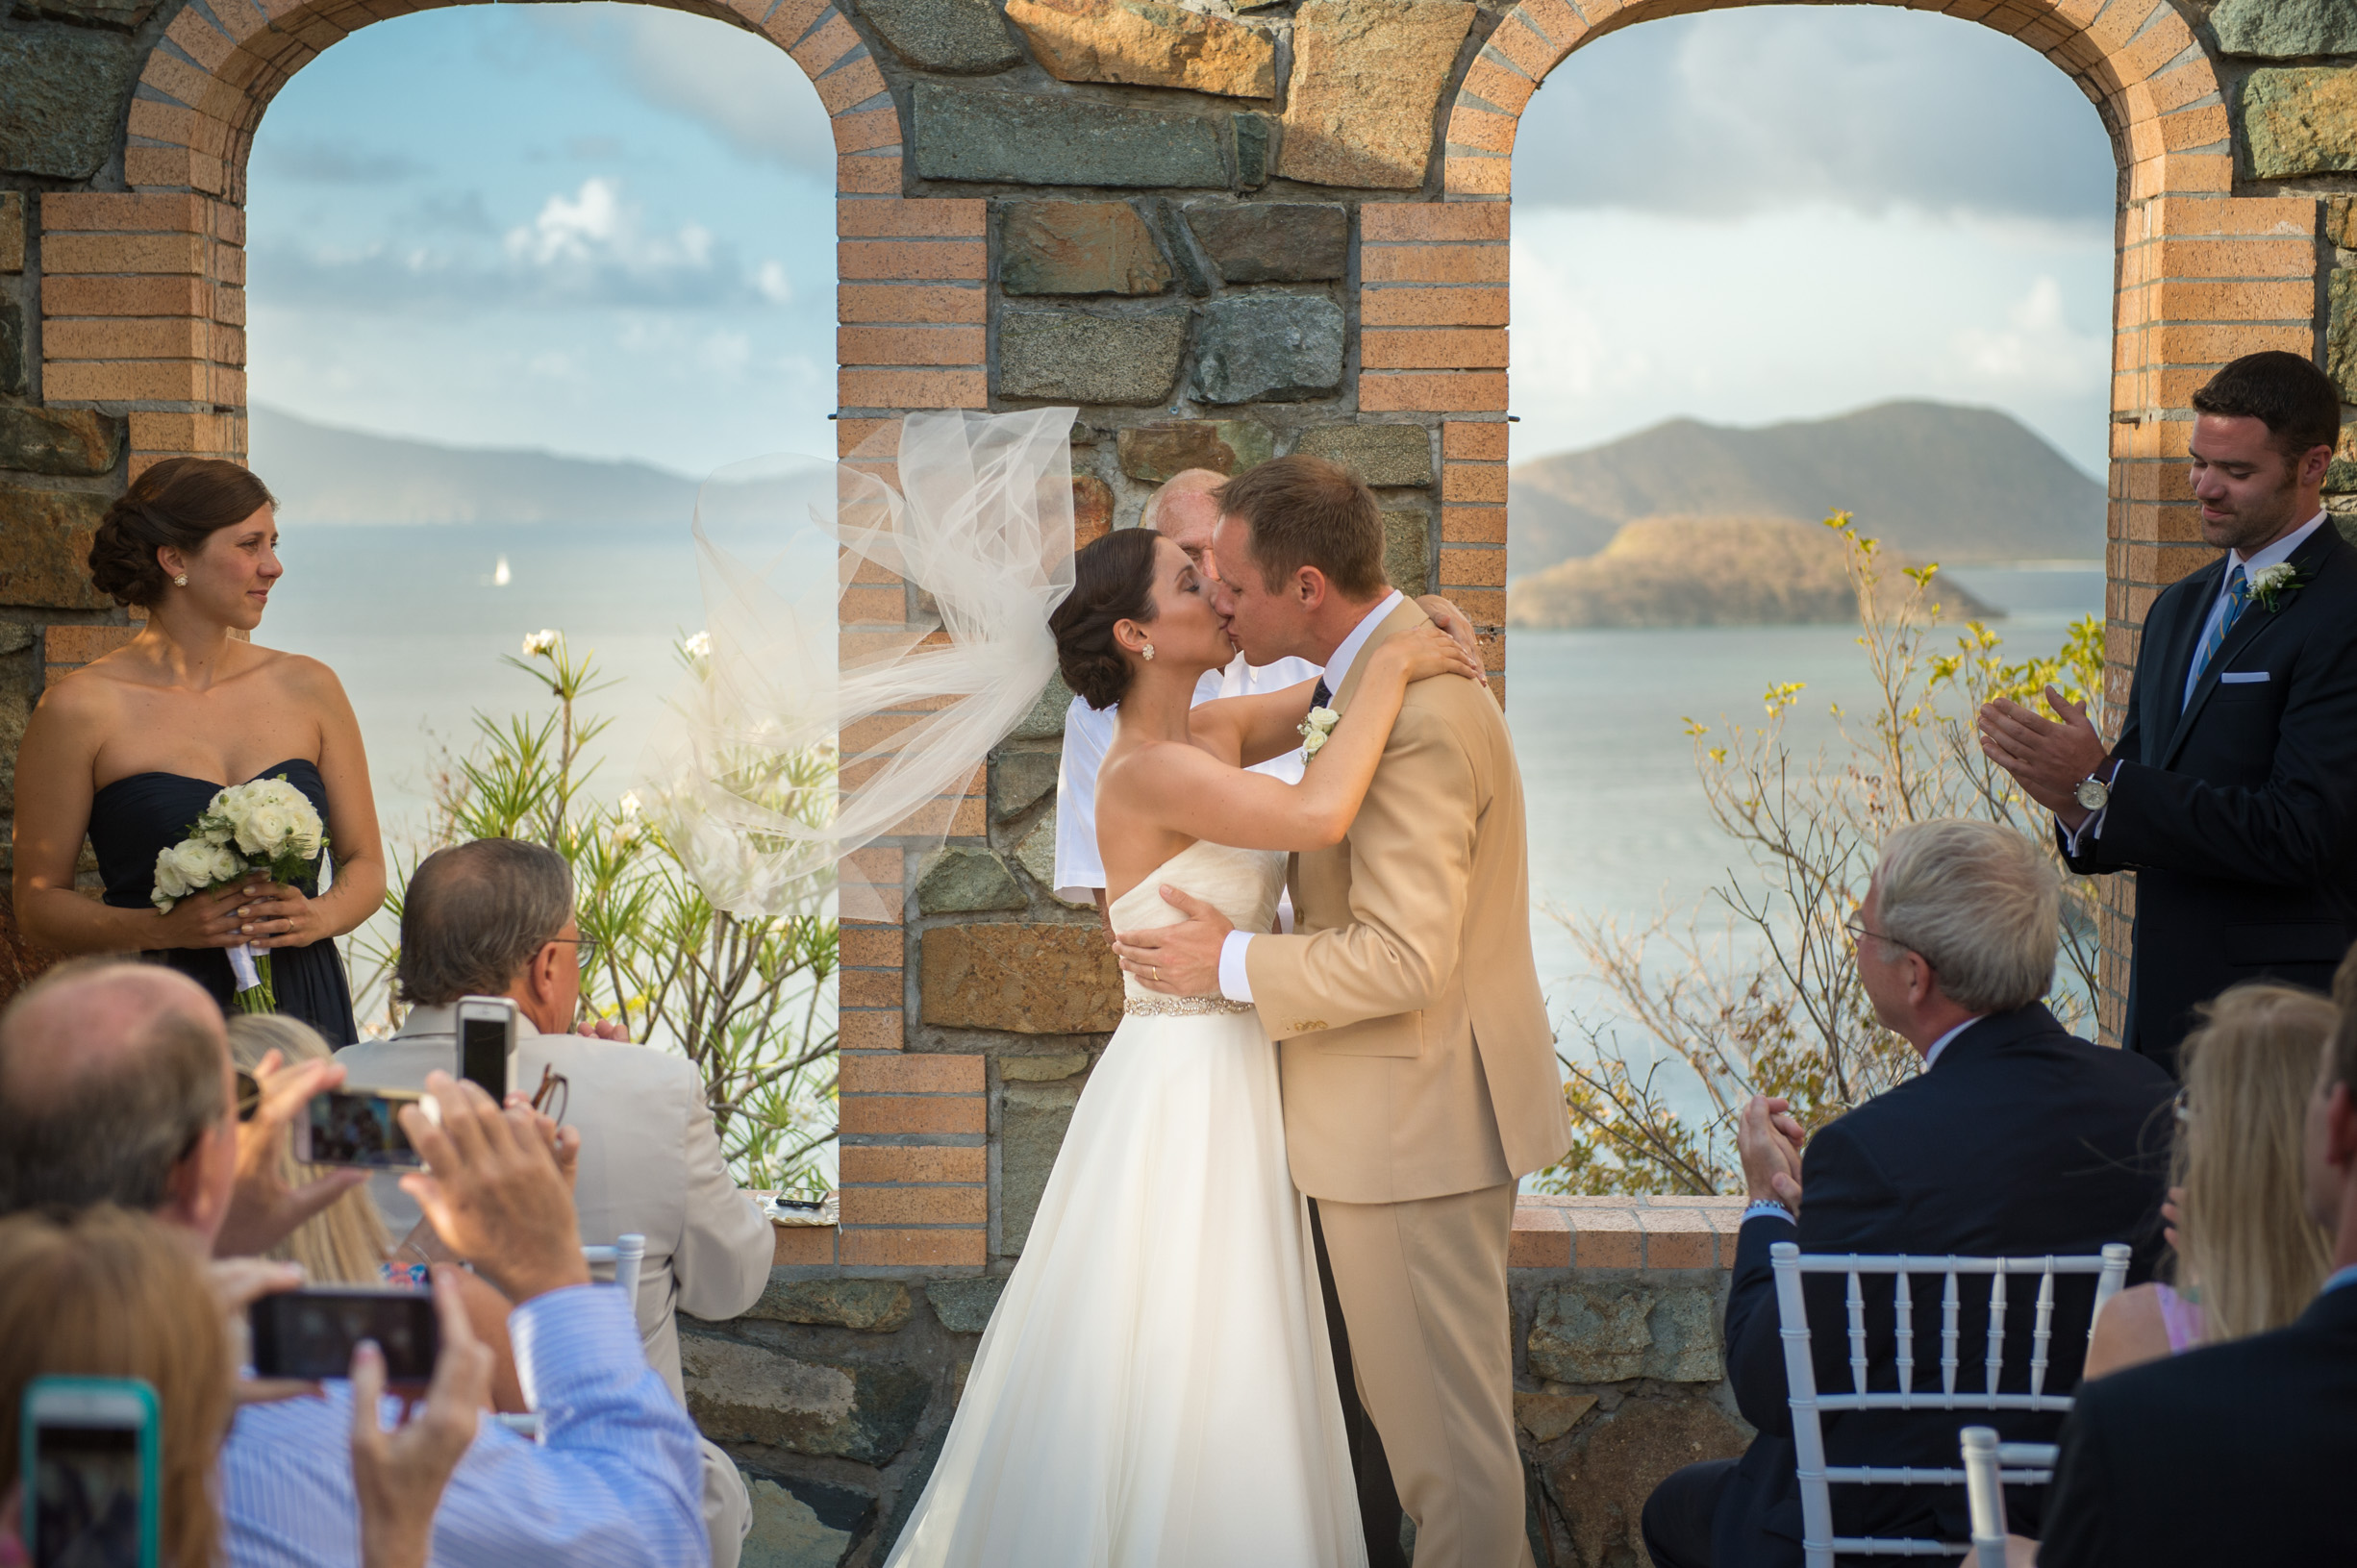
<point x="1445" y="615"/>
<point x="1181" y="960"/>
<point x="1428" y="651"/>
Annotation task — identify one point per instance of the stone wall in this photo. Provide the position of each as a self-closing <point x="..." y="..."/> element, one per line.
<point x="1224" y="230"/>
<point x="834" y="1393"/>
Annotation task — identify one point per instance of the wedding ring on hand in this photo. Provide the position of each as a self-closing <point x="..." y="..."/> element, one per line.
<point x="1157" y="974"/>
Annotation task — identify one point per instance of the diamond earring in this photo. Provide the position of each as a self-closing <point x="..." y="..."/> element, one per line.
<point x="1148" y="653"/>
<point x="182" y="581"/>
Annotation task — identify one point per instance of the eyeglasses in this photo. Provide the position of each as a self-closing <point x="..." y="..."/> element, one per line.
<point x="249" y="1095"/>
<point x="554" y="1090"/>
<point x="1859" y="933"/>
<point x="589" y="946"/>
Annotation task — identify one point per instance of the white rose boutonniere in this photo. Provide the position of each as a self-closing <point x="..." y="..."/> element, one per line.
<point x="2268" y="584"/>
<point x="1315" y="728"/>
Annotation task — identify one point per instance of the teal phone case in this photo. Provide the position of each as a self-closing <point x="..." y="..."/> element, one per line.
<point x="151" y="1457"/>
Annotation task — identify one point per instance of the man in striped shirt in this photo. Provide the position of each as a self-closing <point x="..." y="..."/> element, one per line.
<point x="92" y="1104"/>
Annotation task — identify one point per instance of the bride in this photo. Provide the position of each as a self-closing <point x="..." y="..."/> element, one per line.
<point x="1155" y="1387"/>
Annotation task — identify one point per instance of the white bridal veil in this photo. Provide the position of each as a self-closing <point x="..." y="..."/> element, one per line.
<point x="876" y="626"/>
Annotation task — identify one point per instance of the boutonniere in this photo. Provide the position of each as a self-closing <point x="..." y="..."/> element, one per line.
<point x="2269" y="583"/>
<point x="1315" y="728"/>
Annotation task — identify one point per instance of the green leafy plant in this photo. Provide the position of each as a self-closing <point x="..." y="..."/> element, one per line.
<point x="750" y="1001"/>
<point x="1767" y="999"/>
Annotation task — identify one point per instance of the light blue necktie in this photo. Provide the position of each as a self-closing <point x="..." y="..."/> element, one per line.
<point x="2237" y="599"/>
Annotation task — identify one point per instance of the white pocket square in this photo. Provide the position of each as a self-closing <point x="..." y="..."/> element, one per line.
<point x="2241" y="678"/>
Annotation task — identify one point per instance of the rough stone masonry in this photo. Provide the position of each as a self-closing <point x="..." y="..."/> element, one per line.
<point x="1224" y="230"/>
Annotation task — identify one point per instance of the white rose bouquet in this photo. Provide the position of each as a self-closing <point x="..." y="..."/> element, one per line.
<point x="1314" y="730"/>
<point x="267" y="826"/>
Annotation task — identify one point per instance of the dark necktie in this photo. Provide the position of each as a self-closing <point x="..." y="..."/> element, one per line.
<point x="1321" y="697"/>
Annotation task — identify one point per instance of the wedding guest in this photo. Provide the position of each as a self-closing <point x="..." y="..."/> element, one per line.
<point x="613" y="1479"/>
<point x="2015" y="1139"/>
<point x="2249" y="1259"/>
<point x="2239" y="1452"/>
<point x="345" y="1242"/>
<point x="494" y="918"/>
<point x="131" y="748"/>
<point x="104" y="1292"/>
<point x="2232" y="791"/>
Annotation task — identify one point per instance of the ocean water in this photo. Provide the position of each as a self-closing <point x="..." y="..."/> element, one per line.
<point x="414" y="620"/>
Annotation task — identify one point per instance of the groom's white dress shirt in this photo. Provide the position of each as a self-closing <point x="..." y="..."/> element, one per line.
<point x="2257" y="561"/>
<point x="1080" y="870"/>
<point x="1233" y="982"/>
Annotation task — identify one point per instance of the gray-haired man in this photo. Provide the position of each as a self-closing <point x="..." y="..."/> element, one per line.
<point x="2017" y="1139"/>
<point x="494" y="918"/>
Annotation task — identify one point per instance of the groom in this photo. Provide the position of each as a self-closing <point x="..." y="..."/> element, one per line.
<point x="1418" y="1066"/>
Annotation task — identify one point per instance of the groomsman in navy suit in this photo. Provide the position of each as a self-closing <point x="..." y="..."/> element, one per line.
<point x="2232" y="791"/>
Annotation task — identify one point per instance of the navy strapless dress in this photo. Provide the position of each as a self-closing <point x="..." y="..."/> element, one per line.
<point x="135" y="819"/>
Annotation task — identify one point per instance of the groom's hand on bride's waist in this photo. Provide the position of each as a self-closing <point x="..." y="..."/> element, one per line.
<point x="1181" y="960"/>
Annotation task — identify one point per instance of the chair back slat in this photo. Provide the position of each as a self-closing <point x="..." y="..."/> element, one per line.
<point x="1902" y="1314"/>
<point x="1816" y="1478"/>
<point x="1996" y="1333"/>
<point x="1949" y="1336"/>
<point x="1984" y="1496"/>
<point x="1857" y="1335"/>
<point x="2042" y="1332"/>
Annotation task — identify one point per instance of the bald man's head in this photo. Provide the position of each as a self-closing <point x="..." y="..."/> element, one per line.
<point x="1183" y="510"/>
<point x="110" y="1076"/>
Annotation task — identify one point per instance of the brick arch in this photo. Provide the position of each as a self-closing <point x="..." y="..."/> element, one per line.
<point x="143" y="296"/>
<point x="2202" y="275"/>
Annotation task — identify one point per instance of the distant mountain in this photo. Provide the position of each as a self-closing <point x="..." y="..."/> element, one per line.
<point x="1940" y="482"/>
<point x="322" y="475"/>
<point x="1717" y="571"/>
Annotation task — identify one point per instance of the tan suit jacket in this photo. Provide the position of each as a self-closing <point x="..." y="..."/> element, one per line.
<point x="1416" y="1055"/>
<point x="650" y="1164"/>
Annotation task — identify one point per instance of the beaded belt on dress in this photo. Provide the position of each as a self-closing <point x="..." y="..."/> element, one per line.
<point x="1180" y="1007"/>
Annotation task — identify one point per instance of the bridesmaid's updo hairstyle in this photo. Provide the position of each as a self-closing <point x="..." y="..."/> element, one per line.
<point x="181" y="502"/>
<point x="1113" y="580"/>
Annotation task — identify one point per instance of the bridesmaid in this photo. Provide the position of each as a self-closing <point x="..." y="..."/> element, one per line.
<point x="130" y="749"/>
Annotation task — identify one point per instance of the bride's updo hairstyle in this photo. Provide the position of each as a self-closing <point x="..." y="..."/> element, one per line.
<point x="180" y="502"/>
<point x="1113" y="580"/>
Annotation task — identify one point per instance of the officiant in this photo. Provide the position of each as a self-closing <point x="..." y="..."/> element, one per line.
<point x="2232" y="790"/>
<point x="131" y="749"/>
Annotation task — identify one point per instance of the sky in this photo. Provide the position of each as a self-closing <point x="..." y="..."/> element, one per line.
<point x="607" y="230"/>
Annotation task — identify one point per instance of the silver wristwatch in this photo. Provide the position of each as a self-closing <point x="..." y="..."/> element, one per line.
<point x="2092" y="793"/>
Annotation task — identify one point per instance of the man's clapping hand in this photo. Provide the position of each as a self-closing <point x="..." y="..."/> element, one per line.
<point x="2046" y="757"/>
<point x="493" y="1190"/>
<point x="262" y="1209"/>
<point x="1768" y="1139"/>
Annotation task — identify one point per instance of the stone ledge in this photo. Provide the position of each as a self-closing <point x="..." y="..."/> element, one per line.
<point x="1616" y="1233"/>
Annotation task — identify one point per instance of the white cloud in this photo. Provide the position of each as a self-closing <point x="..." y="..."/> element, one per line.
<point x="2035" y="348"/>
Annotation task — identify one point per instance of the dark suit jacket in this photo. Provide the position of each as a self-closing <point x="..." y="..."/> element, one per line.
<point x="2021" y="1140"/>
<point x="2238" y="808"/>
<point x="2245" y="1452"/>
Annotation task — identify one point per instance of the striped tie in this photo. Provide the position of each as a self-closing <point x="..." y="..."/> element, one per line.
<point x="2237" y="598"/>
<point x="1321" y="697"/>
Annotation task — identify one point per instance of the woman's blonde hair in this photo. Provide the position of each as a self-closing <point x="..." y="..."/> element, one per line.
<point x="108" y="1293"/>
<point x="346" y="1242"/>
<point x="2245" y="1240"/>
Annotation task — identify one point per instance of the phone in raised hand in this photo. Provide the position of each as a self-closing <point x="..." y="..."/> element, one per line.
<point x="308" y="1335"/>
<point x="92" y="1479"/>
<point x="486" y="1042"/>
<point x="363" y="1127"/>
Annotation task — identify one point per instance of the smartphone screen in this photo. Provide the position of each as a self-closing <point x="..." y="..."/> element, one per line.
<point x="89" y="1465"/>
<point x="360" y="1127"/>
<point x="309" y="1334"/>
<point x="483" y="1053"/>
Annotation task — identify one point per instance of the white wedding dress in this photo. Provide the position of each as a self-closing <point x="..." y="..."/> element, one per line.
<point x="1154" y="1389"/>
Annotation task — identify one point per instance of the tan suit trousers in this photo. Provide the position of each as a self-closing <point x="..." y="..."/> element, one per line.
<point x="1423" y="1289"/>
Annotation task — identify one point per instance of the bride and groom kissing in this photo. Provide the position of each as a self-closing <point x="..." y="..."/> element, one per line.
<point x="1156" y="1386"/>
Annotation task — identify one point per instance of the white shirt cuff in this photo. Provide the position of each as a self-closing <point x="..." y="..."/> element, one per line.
<point x="1770" y="1207"/>
<point x="1234" y="983"/>
<point x="2092" y="828"/>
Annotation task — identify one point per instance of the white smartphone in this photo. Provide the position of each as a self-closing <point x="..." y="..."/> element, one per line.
<point x="486" y="1042"/>
<point x="362" y="1127"/>
<point x="92" y="1482"/>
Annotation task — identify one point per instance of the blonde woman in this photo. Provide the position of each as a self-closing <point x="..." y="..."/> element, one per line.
<point x="344" y="1242"/>
<point x="2249" y="1258"/>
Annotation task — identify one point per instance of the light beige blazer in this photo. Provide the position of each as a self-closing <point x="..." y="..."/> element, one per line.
<point x="1416" y="1055"/>
<point x="650" y="1164"/>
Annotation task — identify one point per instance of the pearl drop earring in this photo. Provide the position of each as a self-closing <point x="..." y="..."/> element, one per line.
<point x="182" y="581"/>
<point x="1147" y="652"/>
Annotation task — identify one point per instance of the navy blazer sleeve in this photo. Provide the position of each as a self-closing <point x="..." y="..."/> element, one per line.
<point x="2129" y="748"/>
<point x="1846" y="1206"/>
<point x="2291" y="831"/>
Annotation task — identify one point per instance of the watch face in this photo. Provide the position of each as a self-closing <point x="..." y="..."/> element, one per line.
<point x="2091" y="794"/>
